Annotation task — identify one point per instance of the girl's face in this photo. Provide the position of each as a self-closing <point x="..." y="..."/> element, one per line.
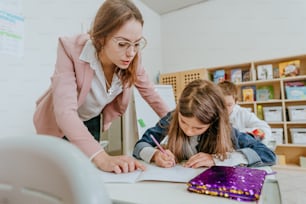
<point x="121" y="46"/>
<point x="192" y="126"/>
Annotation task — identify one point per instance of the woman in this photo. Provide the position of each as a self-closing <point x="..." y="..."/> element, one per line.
<point x="94" y="74"/>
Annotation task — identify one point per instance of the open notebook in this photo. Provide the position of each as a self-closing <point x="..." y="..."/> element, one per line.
<point x="153" y="173"/>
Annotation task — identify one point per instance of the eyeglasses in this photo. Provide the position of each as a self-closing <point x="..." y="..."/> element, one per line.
<point x="123" y="45"/>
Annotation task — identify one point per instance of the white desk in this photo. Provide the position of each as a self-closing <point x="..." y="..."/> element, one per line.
<point x="165" y="192"/>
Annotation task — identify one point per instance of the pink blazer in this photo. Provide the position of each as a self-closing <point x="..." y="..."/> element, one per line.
<point x="56" y="111"/>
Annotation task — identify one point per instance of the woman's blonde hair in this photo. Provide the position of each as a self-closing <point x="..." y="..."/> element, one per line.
<point x="203" y="100"/>
<point x="110" y="17"/>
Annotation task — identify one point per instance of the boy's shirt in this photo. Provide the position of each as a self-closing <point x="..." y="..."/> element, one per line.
<point x="246" y="121"/>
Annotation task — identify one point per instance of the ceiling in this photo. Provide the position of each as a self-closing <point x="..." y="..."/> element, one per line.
<point x="167" y="6"/>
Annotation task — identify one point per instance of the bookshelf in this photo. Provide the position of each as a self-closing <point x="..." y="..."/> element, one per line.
<point x="280" y="99"/>
<point x="269" y="76"/>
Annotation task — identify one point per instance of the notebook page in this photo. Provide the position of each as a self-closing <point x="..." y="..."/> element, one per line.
<point x="108" y="177"/>
<point x="177" y="173"/>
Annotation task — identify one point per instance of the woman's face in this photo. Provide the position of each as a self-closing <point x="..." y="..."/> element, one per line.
<point x="121" y="46"/>
<point x="192" y="126"/>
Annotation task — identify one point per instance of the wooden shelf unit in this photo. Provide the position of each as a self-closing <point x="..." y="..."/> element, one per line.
<point x="179" y="80"/>
<point x="279" y="98"/>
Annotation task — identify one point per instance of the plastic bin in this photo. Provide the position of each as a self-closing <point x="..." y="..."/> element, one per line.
<point x="273" y="114"/>
<point x="297" y="113"/>
<point x="298" y="135"/>
<point x="277" y="135"/>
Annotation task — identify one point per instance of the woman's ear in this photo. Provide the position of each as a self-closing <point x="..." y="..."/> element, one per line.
<point x="102" y="42"/>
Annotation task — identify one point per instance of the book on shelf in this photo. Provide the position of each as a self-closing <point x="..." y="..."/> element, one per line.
<point x="219" y="76"/>
<point x="275" y="72"/>
<point x="248" y="93"/>
<point x="264" y="93"/>
<point x="236" y="75"/>
<point x="246" y="75"/>
<point x="264" y="72"/>
<point x="289" y="68"/>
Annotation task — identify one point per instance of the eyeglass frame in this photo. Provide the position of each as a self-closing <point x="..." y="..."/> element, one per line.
<point x="133" y="44"/>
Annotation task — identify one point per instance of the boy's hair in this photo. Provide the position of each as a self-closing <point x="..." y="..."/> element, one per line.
<point x="203" y="100"/>
<point x="110" y="17"/>
<point x="229" y="89"/>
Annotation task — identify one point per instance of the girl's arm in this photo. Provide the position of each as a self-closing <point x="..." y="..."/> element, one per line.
<point x="145" y="147"/>
<point x="256" y="153"/>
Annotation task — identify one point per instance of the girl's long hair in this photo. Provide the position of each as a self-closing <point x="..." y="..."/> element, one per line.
<point x="203" y="100"/>
<point x="109" y="18"/>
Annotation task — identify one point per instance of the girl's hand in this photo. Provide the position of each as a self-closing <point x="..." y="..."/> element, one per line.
<point x="164" y="160"/>
<point x="116" y="164"/>
<point x="200" y="160"/>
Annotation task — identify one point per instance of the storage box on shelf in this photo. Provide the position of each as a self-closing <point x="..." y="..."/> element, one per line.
<point x="298" y="135"/>
<point x="277" y="135"/>
<point x="297" y="113"/>
<point x="273" y="114"/>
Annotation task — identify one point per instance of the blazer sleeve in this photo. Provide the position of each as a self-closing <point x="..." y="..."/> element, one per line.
<point x="65" y="100"/>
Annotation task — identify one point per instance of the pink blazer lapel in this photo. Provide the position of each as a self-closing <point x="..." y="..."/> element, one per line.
<point x="88" y="75"/>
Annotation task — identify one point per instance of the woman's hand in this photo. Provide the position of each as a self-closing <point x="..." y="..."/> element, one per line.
<point x="165" y="160"/>
<point x="200" y="160"/>
<point x="117" y="164"/>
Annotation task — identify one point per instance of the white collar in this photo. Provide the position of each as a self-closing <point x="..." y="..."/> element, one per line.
<point x="89" y="55"/>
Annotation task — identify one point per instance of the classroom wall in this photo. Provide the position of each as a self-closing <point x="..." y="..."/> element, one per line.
<point x="222" y="32"/>
<point x="217" y="32"/>
<point x="24" y="79"/>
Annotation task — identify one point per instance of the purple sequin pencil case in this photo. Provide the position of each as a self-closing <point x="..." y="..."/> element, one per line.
<point x="239" y="183"/>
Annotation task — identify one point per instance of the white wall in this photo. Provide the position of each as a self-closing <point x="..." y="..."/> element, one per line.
<point x="214" y="33"/>
<point x="221" y="32"/>
<point x="23" y="80"/>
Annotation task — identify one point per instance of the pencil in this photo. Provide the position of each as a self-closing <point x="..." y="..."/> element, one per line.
<point x="158" y="145"/>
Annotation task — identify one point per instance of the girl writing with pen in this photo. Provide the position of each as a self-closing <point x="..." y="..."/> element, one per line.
<point x="199" y="132"/>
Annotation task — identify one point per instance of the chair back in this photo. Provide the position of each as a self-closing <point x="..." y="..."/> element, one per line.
<point x="47" y="170"/>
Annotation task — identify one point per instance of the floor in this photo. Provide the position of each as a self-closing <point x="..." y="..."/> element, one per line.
<point x="292" y="183"/>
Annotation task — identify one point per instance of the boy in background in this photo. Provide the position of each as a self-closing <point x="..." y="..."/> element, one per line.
<point x="243" y="119"/>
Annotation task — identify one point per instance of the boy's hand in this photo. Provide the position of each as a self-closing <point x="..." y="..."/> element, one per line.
<point x="258" y="134"/>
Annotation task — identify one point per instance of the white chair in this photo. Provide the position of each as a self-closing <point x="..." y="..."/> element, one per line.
<point x="47" y="170"/>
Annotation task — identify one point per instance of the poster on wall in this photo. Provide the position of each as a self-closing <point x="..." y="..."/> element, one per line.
<point x="11" y="28"/>
<point x="11" y="5"/>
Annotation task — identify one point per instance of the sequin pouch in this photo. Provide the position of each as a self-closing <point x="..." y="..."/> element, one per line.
<point x="239" y="183"/>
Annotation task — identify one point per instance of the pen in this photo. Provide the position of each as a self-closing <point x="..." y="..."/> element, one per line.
<point x="158" y="145"/>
